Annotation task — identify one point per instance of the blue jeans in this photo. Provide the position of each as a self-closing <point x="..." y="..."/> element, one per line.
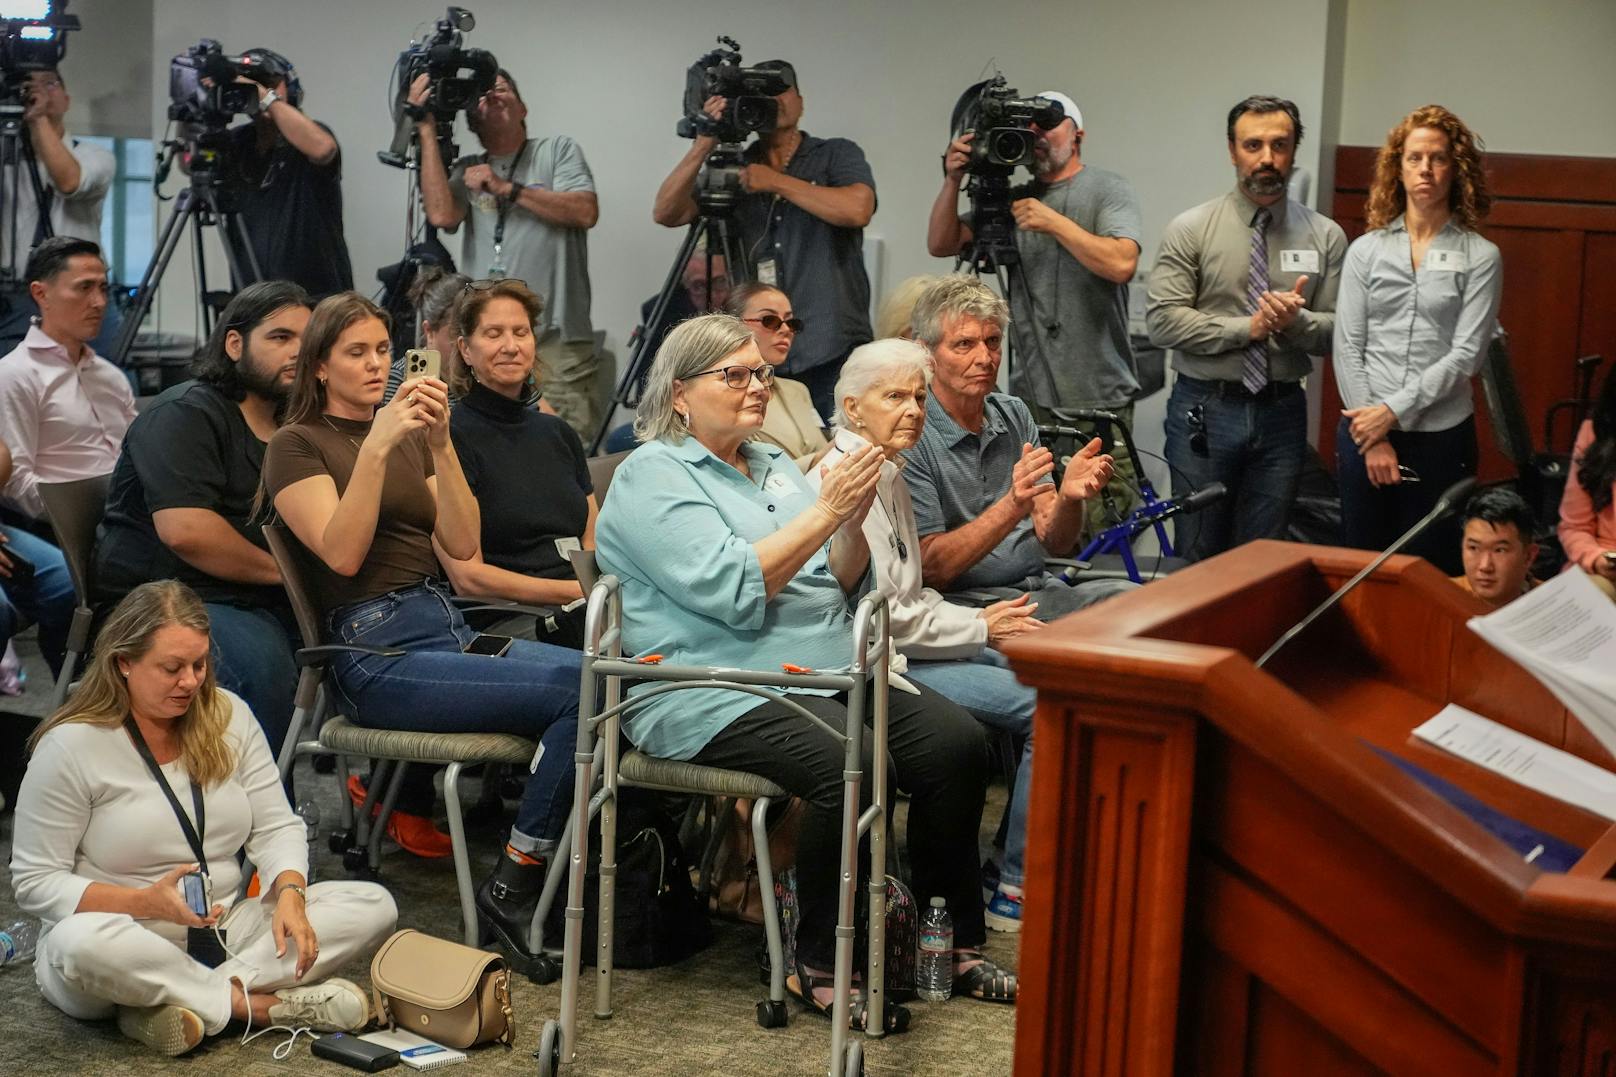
<point x="47" y="599"/>
<point x="253" y="657"/>
<point x="1254" y="447"/>
<point x="985" y="686"/>
<point x="532" y="691"/>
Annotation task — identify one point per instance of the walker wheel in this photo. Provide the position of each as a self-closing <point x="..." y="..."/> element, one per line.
<point x="356" y="859"/>
<point x="543" y="969"/>
<point x="549" y="1052"/>
<point x="771" y="1014"/>
<point x="855" y="1060"/>
<point x="339" y="840"/>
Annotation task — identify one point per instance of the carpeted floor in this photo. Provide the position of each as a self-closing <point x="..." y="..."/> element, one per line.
<point x="693" y="1018"/>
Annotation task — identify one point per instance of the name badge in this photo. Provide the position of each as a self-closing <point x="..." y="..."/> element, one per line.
<point x="1445" y="261"/>
<point x="777" y="483"/>
<point x="768" y="272"/>
<point x="1299" y="261"/>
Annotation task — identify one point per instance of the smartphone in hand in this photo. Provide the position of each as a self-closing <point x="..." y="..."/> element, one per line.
<point x="423" y="363"/>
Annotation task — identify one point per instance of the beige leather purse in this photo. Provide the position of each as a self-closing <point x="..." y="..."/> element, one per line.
<point x="446" y="992"/>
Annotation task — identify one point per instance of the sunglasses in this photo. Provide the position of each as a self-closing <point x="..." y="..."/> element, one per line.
<point x="1196" y="418"/>
<point x="483" y="285"/>
<point x="740" y="376"/>
<point x="772" y="322"/>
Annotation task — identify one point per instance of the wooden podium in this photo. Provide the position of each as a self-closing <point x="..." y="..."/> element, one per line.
<point x="1225" y="877"/>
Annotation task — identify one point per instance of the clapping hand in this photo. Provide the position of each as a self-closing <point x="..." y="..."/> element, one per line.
<point x="848" y="489"/>
<point x="1010" y="618"/>
<point x="1087" y="473"/>
<point x="1027" y="483"/>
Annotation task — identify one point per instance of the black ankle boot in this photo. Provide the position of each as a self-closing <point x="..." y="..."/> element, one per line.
<point x="506" y="901"/>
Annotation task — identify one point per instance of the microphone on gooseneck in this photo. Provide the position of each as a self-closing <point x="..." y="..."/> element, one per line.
<point x="1453" y="497"/>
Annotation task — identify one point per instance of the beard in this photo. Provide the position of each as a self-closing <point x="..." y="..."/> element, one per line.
<point x="1264" y="182"/>
<point x="1051" y="160"/>
<point x="259" y="380"/>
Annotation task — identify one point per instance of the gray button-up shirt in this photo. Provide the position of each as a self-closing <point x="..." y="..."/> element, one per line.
<point x="1198" y="306"/>
<point x="955" y="475"/>
<point x="1412" y="339"/>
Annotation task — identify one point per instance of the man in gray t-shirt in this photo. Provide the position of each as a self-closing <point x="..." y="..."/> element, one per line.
<point x="527" y="205"/>
<point x="1077" y="234"/>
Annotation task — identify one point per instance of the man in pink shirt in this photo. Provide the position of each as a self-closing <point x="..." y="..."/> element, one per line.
<point x="63" y="408"/>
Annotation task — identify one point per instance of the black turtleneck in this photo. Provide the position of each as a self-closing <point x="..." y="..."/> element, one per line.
<point x="528" y="472"/>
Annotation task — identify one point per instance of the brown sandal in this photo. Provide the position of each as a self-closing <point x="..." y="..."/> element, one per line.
<point x="986" y="981"/>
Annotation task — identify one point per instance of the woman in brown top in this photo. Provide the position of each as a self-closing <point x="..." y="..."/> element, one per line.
<point x="370" y="492"/>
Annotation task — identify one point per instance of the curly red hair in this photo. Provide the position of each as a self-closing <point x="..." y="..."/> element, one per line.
<point x="1468" y="198"/>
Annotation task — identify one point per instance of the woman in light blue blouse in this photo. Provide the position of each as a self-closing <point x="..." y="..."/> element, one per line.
<point x="1417" y="308"/>
<point x="728" y="557"/>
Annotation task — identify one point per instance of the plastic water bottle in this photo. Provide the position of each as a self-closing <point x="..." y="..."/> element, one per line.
<point x="17" y="943"/>
<point x="934" y="969"/>
<point x="309" y="812"/>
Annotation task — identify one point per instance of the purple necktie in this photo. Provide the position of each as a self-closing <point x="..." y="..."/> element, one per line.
<point x="1254" y="369"/>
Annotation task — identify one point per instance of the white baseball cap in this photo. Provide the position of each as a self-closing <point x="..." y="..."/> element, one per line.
<point x="1072" y="112"/>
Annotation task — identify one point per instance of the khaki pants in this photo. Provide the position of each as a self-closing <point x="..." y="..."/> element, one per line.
<point x="1122" y="486"/>
<point x="567" y="376"/>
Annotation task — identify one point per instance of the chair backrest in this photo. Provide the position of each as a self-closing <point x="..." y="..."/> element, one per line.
<point x="295" y="564"/>
<point x="601" y="470"/>
<point x="75" y="510"/>
<point x="1512" y="434"/>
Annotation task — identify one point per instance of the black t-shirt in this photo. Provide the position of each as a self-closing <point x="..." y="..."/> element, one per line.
<point x="292" y="208"/>
<point x="531" y="479"/>
<point x="190" y="449"/>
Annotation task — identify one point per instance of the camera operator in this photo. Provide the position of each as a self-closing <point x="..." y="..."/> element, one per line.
<point x="1077" y="234"/>
<point x="528" y="205"/>
<point x="802" y="225"/>
<point x="288" y="173"/>
<point x="76" y="176"/>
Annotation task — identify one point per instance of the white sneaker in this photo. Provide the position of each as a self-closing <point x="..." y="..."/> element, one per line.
<point x="171" y="1030"/>
<point x="333" y="1006"/>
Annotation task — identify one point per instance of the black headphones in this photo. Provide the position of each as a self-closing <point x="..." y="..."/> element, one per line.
<point x="282" y="69"/>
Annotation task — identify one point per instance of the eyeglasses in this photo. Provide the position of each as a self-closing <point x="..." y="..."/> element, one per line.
<point x="772" y="322"/>
<point x="740" y="376"/>
<point x="1196" y="418"/>
<point x="483" y="285"/>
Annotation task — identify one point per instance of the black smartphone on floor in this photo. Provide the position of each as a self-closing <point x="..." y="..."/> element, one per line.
<point x="489" y="644"/>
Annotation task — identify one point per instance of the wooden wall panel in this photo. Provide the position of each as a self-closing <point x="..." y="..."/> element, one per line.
<point x="1554" y="220"/>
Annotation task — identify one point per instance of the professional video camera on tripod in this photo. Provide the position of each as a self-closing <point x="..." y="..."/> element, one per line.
<point x="458" y="77"/>
<point x="750" y="107"/>
<point x="33" y="37"/>
<point x="204" y="96"/>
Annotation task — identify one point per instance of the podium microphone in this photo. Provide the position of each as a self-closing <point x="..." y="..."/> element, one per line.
<point x="1451" y="498"/>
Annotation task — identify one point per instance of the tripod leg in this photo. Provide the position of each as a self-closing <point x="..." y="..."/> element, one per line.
<point x="184" y="209"/>
<point x="202" y="271"/>
<point x="627" y="392"/>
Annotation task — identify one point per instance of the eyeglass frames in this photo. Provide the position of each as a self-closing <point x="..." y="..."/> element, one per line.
<point x="739" y="376"/>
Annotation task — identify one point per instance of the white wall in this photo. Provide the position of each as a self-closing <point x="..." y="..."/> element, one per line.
<point x="1528" y="77"/>
<point x="108" y="69"/>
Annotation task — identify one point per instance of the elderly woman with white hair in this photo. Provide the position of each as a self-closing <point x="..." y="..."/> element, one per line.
<point x="881" y="401"/>
<point x="728" y="557"/>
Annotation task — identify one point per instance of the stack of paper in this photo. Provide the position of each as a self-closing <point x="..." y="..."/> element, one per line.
<point x="1564" y="632"/>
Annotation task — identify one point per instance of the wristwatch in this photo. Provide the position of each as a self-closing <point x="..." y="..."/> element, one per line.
<point x="302" y="893"/>
<point x="268" y="99"/>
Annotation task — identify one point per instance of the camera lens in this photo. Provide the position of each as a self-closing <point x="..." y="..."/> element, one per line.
<point x="1009" y="146"/>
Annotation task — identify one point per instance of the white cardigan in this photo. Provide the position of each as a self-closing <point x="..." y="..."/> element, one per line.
<point x="925" y="626"/>
<point x="90" y="811"/>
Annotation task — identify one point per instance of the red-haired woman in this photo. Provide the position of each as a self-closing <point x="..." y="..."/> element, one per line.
<point x="1417" y="308"/>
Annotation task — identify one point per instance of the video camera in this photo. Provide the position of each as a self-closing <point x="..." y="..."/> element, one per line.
<point x="193" y="102"/>
<point x="1004" y="126"/>
<point x="749" y="95"/>
<point x="33" y="37"/>
<point x="457" y="79"/>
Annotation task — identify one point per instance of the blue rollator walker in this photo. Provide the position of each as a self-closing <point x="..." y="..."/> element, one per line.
<point x="1151" y="512"/>
<point x="601" y="708"/>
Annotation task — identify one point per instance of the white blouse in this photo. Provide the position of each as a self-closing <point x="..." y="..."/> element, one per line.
<point x="925" y="626"/>
<point x="90" y="811"/>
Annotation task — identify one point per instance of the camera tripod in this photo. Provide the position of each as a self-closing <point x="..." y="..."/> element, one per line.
<point x="715" y="232"/>
<point x="206" y="202"/>
<point x="17" y="158"/>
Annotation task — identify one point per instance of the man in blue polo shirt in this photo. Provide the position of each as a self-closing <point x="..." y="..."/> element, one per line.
<point x="802" y="227"/>
<point x="986" y="508"/>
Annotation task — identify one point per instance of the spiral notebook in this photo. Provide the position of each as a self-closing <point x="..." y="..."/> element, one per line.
<point x="415" y="1051"/>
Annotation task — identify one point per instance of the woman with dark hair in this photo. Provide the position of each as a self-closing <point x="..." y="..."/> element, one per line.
<point x="1587" y="510"/>
<point x="372" y="493"/>
<point x="181" y="503"/>
<point x="152" y="773"/>
<point x="528" y="470"/>
<point x="791" y="421"/>
<point x="1417" y="308"/>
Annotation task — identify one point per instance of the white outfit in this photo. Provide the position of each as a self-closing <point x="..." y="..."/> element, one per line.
<point x="925" y="625"/>
<point x="62" y="420"/>
<point x="77" y="214"/>
<point x="89" y="811"/>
